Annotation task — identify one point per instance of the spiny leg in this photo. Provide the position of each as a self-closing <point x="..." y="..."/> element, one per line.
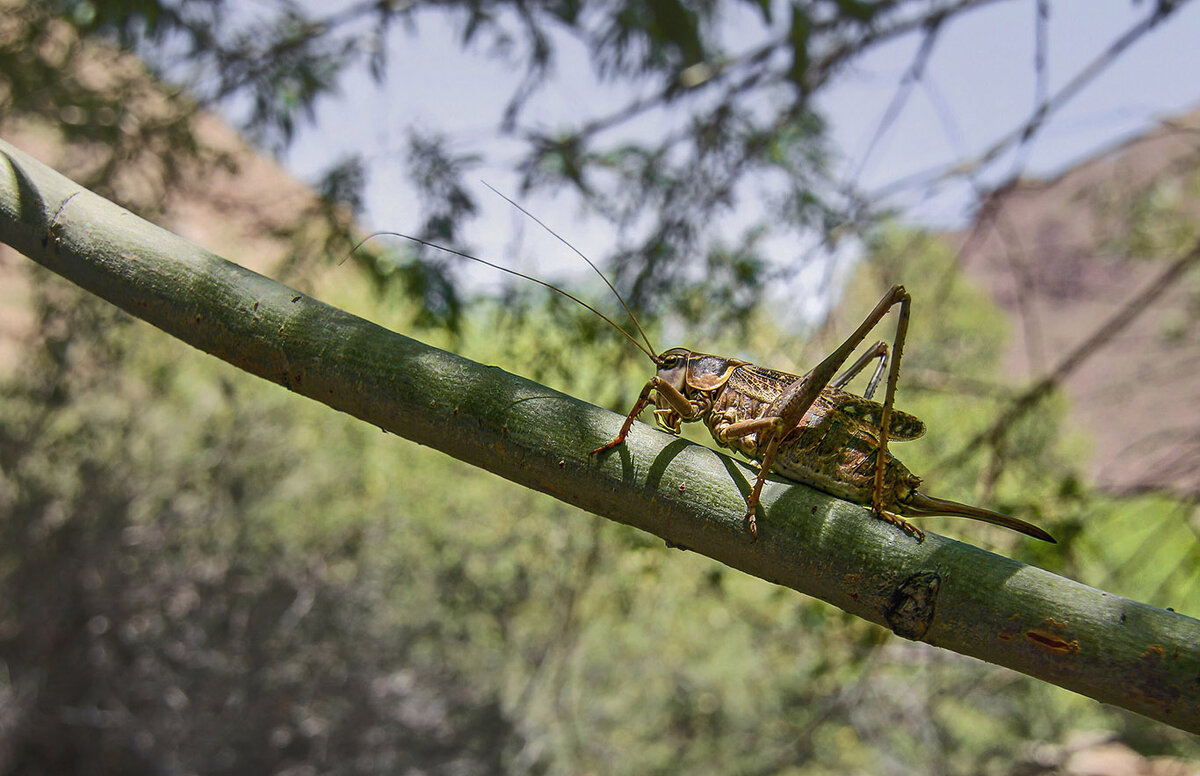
<point x="666" y="394"/>
<point x="902" y="524"/>
<point x="789" y="407"/>
<point x="880" y="351"/>
<point x="642" y="400"/>
<point x="885" y="420"/>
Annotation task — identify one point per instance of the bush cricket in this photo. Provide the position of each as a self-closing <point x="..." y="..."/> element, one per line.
<point x="803" y="427"/>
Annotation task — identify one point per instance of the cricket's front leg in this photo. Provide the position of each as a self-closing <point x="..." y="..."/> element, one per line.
<point x="665" y="393"/>
<point x="642" y="400"/>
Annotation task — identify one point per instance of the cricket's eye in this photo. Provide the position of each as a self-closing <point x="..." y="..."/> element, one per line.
<point x="672" y="361"/>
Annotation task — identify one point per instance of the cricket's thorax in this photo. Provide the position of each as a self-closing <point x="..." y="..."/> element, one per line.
<point x="833" y="448"/>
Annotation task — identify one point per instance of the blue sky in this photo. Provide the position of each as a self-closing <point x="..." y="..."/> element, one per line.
<point x="979" y="86"/>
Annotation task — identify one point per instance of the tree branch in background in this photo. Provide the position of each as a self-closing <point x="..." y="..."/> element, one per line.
<point x="1022" y="135"/>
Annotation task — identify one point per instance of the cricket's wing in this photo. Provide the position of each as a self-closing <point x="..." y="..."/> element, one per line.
<point x="901" y="425"/>
<point x="764" y="385"/>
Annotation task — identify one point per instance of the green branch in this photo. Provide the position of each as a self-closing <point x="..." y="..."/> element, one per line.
<point x="942" y="592"/>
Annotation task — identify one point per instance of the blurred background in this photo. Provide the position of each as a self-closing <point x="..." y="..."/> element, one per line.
<point x="201" y="573"/>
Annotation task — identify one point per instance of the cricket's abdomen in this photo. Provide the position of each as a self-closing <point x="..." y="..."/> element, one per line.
<point x="840" y="459"/>
<point x="828" y="450"/>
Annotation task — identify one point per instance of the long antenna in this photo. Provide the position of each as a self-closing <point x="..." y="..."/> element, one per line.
<point x="647" y="350"/>
<point x="579" y="253"/>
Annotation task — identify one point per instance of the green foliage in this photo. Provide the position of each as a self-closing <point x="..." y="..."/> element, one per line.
<point x="192" y="555"/>
<point x="263" y="585"/>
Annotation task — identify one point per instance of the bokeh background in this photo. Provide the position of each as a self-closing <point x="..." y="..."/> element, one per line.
<point x="201" y="573"/>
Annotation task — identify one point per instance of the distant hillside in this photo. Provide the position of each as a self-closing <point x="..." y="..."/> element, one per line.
<point x="1064" y="255"/>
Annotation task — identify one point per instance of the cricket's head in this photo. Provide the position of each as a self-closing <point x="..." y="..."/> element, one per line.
<point x="695" y="376"/>
<point x="691" y="372"/>
<point x="672" y="367"/>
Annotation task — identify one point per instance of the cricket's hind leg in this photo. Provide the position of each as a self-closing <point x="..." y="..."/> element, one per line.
<point x="786" y="412"/>
<point x="897" y="296"/>
<point x="902" y="524"/>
